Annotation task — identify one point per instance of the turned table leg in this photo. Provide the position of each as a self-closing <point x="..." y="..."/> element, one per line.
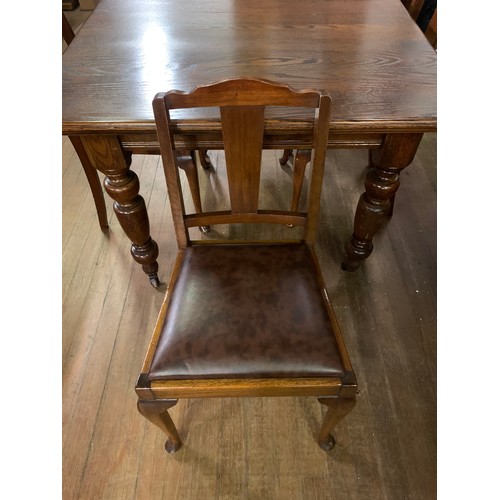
<point x="122" y="184"/>
<point x="381" y="184"/>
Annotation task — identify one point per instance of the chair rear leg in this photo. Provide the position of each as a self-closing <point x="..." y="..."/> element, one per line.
<point x="156" y="412"/>
<point x="204" y="159"/>
<point x="286" y="155"/>
<point x="187" y="162"/>
<point x="302" y="158"/>
<point x="338" y="408"/>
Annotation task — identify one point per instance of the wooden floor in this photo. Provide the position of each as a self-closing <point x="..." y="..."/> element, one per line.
<point x="253" y="448"/>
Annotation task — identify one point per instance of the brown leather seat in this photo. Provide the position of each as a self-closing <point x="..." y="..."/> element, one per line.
<point x="246" y="311"/>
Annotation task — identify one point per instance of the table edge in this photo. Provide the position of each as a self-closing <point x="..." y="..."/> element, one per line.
<point x="148" y="127"/>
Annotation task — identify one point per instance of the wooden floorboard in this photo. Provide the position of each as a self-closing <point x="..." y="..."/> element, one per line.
<point x="253" y="448"/>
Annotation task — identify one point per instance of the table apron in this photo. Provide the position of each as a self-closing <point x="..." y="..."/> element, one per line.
<point x="148" y="143"/>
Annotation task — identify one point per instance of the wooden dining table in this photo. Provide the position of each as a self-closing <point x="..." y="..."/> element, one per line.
<point x="368" y="54"/>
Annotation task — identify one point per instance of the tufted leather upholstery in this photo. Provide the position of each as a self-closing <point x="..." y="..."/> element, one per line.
<point x="246" y="311"/>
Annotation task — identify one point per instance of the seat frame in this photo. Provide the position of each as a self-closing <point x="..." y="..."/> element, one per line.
<point x="243" y="100"/>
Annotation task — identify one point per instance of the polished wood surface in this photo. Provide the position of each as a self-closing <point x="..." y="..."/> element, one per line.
<point x="369" y="55"/>
<point x="386" y="448"/>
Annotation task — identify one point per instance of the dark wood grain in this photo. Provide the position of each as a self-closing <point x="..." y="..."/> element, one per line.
<point x="243" y="130"/>
<point x="369" y="55"/>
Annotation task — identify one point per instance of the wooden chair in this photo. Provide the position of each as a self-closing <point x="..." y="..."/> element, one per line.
<point x="245" y="318"/>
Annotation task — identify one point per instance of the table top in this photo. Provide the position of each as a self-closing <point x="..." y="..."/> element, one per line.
<point x="368" y="54"/>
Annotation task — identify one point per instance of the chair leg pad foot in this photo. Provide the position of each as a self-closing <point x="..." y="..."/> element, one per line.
<point x="328" y="443"/>
<point x="171" y="447"/>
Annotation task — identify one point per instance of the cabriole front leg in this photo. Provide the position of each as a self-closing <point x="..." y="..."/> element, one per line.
<point x="122" y="185"/>
<point x="156" y="412"/>
<point x="381" y="184"/>
<point x="338" y="408"/>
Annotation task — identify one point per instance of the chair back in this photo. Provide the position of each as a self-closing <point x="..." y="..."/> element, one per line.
<point x="242" y="104"/>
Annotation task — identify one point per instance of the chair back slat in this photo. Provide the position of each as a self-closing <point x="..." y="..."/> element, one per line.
<point x="243" y="135"/>
<point x="242" y="104"/>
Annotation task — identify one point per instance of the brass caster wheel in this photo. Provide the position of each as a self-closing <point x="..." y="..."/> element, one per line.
<point x="349" y="266"/>
<point x="153" y="279"/>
